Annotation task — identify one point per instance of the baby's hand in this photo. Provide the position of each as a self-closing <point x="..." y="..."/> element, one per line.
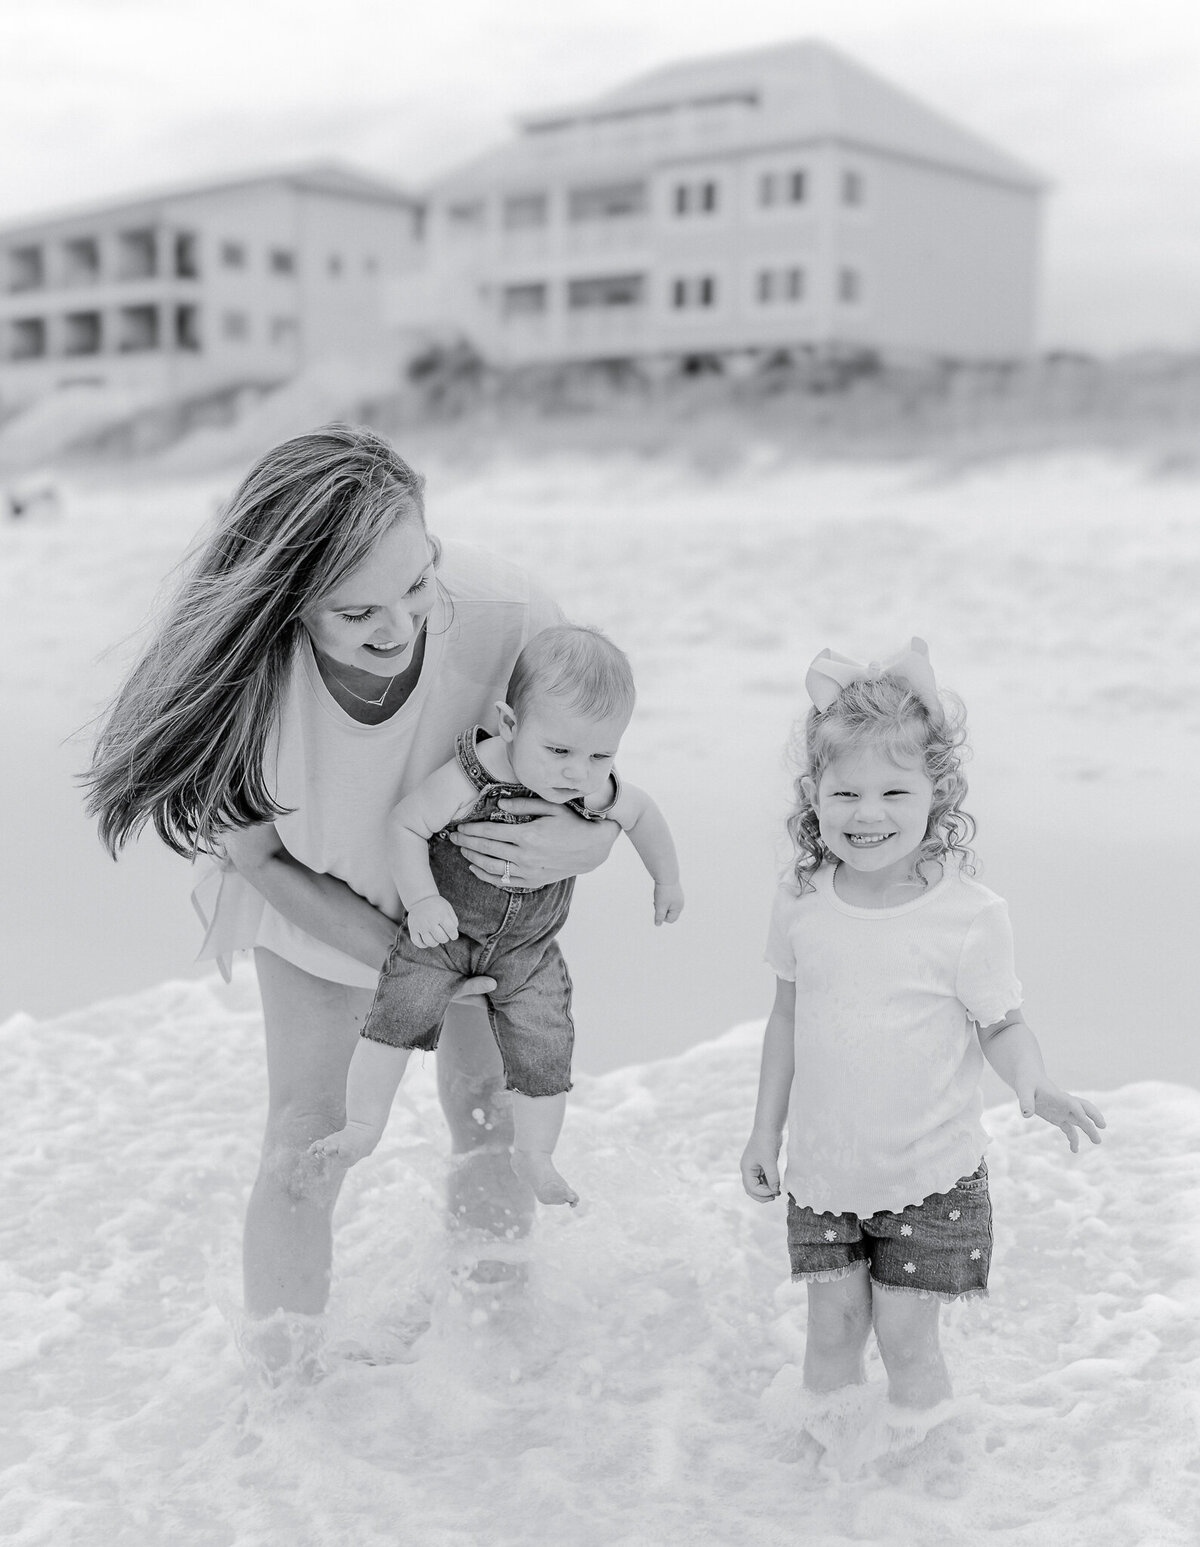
<point x="760" y="1167"/>
<point x="668" y="902"/>
<point x="432" y="921"/>
<point x="1045" y="1100"/>
<point x="349" y="1145"/>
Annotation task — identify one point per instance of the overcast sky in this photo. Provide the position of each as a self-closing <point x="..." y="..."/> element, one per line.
<point x="103" y="96"/>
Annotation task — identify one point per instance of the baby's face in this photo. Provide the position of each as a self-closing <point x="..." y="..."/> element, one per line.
<point x="561" y="754"/>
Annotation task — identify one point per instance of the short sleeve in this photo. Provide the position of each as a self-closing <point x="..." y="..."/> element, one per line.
<point x="987" y="980"/>
<point x="780" y="954"/>
<point x="543" y="613"/>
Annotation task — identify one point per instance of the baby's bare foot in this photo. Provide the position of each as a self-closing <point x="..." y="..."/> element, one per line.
<point x="536" y="1169"/>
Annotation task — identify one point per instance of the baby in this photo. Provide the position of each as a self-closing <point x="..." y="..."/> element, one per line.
<point x="570" y="699"/>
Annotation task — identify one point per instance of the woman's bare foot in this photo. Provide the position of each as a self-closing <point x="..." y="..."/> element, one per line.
<point x="536" y="1170"/>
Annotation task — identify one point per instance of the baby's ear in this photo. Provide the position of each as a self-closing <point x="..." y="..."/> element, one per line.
<point x="507" y="719"/>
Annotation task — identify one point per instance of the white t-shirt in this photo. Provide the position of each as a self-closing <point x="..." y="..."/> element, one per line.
<point x="885" y="1105"/>
<point x="342" y="778"/>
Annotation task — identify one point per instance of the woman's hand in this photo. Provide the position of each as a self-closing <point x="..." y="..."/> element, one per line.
<point x="557" y="844"/>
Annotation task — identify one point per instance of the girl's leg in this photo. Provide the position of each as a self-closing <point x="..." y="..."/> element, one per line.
<point x="538" y="1122"/>
<point x="839" y="1321"/>
<point x="312" y="1027"/>
<point x="907" y="1330"/>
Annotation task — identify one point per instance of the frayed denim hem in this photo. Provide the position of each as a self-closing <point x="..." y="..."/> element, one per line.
<point x="947" y="1297"/>
<point x="828" y="1275"/>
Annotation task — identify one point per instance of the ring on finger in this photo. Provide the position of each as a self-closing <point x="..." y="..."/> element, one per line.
<point x="507" y="872"/>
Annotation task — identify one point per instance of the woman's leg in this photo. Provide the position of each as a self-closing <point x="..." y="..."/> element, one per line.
<point x="839" y="1320"/>
<point x="907" y="1331"/>
<point x="312" y="1026"/>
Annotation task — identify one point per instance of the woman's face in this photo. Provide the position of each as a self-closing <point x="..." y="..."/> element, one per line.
<point x="372" y="619"/>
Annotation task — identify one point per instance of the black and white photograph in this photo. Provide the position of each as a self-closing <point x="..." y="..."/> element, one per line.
<point x="600" y="661"/>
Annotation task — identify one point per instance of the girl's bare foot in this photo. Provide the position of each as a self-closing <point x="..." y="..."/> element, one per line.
<point x="536" y="1170"/>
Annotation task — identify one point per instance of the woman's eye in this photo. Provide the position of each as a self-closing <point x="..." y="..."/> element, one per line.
<point x="357" y="617"/>
<point x="420" y="585"/>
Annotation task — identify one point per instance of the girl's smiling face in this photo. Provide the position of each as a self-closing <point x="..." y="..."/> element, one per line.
<point x="372" y="620"/>
<point x="873" y="813"/>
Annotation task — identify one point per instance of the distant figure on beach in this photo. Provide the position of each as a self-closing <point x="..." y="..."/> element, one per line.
<point x="36" y="501"/>
<point x="895" y="981"/>
<point x="569" y="702"/>
<point x="319" y="658"/>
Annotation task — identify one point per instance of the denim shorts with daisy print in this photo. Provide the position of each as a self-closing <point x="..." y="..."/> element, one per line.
<point x="941" y="1246"/>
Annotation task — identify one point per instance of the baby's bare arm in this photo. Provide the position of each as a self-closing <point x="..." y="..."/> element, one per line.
<point x="647" y="830"/>
<point x="436" y="801"/>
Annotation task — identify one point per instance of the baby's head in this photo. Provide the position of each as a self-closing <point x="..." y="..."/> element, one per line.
<point x="570" y="699"/>
<point x="882" y="784"/>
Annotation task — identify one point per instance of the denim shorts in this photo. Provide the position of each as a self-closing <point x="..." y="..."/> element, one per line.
<point x="941" y="1246"/>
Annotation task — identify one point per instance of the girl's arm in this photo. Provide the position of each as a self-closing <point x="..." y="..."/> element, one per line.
<point x="646" y="828"/>
<point x="760" y="1159"/>
<point x="319" y="904"/>
<point x="1013" y="1052"/>
<point x="556" y="845"/>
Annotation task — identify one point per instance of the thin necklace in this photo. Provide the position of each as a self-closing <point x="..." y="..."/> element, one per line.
<point x="375" y="703"/>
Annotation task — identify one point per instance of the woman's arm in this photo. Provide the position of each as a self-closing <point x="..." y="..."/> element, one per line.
<point x="556" y="845"/>
<point x="321" y="905"/>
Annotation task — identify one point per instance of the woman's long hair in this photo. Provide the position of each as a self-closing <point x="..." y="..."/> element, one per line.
<point x="183" y="742"/>
<point x="886" y="713"/>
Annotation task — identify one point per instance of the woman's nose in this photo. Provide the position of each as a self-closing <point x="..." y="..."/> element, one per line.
<point x="396" y="628"/>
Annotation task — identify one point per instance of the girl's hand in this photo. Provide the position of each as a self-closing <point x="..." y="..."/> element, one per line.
<point x="1044" y="1099"/>
<point x="349" y="1145"/>
<point x="760" y="1167"/>
<point x="668" y="902"/>
<point x="556" y="845"/>
<point x="432" y="921"/>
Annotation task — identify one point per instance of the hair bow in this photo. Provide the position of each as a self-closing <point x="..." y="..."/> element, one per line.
<point x="830" y="673"/>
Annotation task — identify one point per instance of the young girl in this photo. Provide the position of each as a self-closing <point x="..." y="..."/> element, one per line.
<point x="568" y="705"/>
<point x="895" y="981"/>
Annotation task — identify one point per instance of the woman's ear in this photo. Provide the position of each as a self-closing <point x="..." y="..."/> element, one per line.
<point x="507" y="719"/>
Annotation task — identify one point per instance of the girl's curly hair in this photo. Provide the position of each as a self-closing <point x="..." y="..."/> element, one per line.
<point x="886" y="713"/>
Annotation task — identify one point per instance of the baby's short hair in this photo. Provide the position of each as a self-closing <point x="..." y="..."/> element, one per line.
<point x="580" y="667"/>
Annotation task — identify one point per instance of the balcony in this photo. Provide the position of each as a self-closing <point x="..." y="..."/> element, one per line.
<point x="26" y="269"/>
<point x="82" y="333"/>
<point x="137" y="254"/>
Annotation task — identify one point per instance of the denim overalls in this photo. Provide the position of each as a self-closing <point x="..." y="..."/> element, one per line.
<point x="503" y="933"/>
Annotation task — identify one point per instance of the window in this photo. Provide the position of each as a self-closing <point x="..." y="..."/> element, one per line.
<point x="798" y="187"/>
<point x="465" y="216"/>
<point x="606" y="291"/>
<point x="779" y="285"/>
<point x="696" y="198"/>
<point x="233" y="255"/>
<point x="235" y="326"/>
<point x="767" y="188"/>
<point x="137" y="254"/>
<point x="333" y="266"/>
<point x="525" y="210"/>
<point x="138" y="329"/>
<point x="523" y="300"/>
<point x="783" y="187"/>
<point x="187" y="255"/>
<point x="699" y="290"/>
<point x="849" y="286"/>
<point x="81" y="333"/>
<point x="281" y="260"/>
<point x="852" y="187"/>
<point x="283" y="330"/>
<point x="27" y="340"/>
<point x="81" y="260"/>
<point x="607" y="201"/>
<point x="187" y="328"/>
<point x="26" y="268"/>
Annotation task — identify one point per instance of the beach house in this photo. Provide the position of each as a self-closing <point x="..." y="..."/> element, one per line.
<point x="197" y="288"/>
<point x="727" y="206"/>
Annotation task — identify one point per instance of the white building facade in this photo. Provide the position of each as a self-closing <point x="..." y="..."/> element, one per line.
<point x="196" y="289"/>
<point x="744" y="203"/>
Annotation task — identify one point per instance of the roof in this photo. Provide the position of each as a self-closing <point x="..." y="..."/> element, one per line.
<point x="791" y="92"/>
<point x="332" y="178"/>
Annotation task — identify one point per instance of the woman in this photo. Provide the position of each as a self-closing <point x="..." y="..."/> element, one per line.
<point x="315" y="663"/>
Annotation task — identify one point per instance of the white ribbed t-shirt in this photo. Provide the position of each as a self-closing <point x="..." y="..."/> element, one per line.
<point x="343" y="778"/>
<point x="885" y="1105"/>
